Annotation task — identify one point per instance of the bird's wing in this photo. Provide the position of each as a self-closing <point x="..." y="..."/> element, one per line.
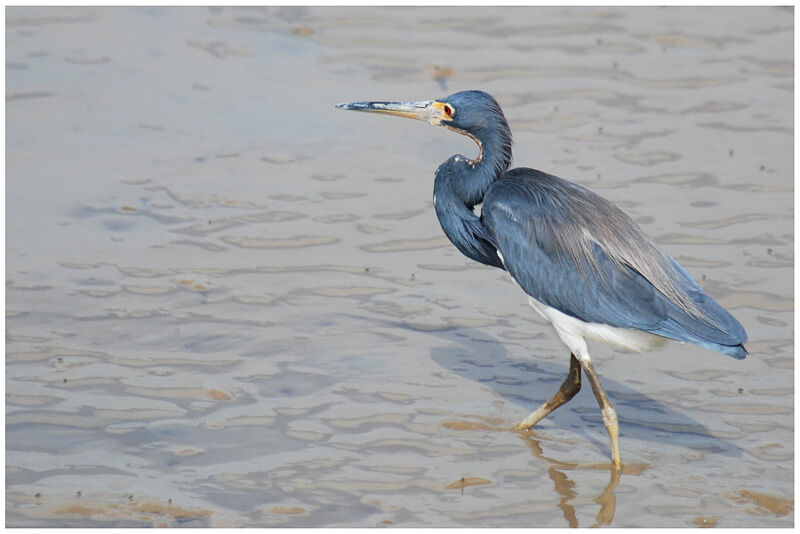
<point x="530" y="218"/>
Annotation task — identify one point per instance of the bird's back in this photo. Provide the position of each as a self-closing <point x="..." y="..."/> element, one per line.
<point x="574" y="251"/>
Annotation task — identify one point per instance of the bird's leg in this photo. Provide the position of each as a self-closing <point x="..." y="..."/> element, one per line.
<point x="568" y="389"/>
<point x="609" y="415"/>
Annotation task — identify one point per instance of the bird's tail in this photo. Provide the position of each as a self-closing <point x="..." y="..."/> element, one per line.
<point x="718" y="330"/>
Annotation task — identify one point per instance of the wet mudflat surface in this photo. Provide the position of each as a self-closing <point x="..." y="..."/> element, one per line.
<point x="228" y="304"/>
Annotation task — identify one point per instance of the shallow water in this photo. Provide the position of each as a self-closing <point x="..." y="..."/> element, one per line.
<point x="229" y="304"/>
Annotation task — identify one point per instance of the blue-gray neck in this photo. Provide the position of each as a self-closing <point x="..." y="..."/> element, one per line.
<point x="469" y="179"/>
<point x="461" y="184"/>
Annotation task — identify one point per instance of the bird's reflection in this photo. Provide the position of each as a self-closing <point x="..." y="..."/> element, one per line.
<point x="564" y="486"/>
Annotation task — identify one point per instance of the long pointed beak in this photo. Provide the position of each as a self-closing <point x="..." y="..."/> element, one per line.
<point x="427" y="110"/>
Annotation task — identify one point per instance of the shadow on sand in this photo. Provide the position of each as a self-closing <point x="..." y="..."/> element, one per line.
<point x="528" y="382"/>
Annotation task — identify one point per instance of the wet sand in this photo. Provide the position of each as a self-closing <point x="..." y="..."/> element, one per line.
<point x="229" y="304"/>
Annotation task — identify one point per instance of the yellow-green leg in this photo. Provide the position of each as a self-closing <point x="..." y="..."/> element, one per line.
<point x="609" y="415"/>
<point x="568" y="389"/>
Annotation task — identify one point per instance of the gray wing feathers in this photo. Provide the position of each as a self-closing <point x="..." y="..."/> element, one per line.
<point x="576" y="252"/>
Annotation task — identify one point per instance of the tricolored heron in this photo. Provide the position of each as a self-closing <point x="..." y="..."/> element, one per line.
<point x="587" y="268"/>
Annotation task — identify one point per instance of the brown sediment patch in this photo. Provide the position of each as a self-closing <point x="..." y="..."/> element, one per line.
<point x="306" y="435"/>
<point x="288" y="198"/>
<point x="340" y="196"/>
<point x="294" y="510"/>
<point x="483" y="423"/>
<point x="187" y="452"/>
<point x="77" y="265"/>
<point x="147" y="290"/>
<point x="389" y="418"/>
<point x="445" y="267"/>
<point x="146" y="511"/>
<point x="270" y="216"/>
<point x="254" y="299"/>
<point x="52" y="352"/>
<point x="244" y="420"/>
<point x="288" y="242"/>
<point x="465" y="482"/>
<point x="350" y="291"/>
<point x="467" y="425"/>
<point x="772" y="452"/>
<point x="400" y="245"/>
<point x="766" y="502"/>
<point x="178" y="393"/>
<point x="96" y="292"/>
<point x="688" y="261"/>
<point x="179" y="362"/>
<point x="401" y="398"/>
<point x="87" y="60"/>
<point x="705" y="522"/>
<point x="513" y="334"/>
<point x="142" y="272"/>
<point x="280" y="159"/>
<point x="685" y="41"/>
<point x="336" y="218"/>
<point x="685" y="239"/>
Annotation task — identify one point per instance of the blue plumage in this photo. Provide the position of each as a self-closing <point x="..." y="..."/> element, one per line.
<point x="522" y="226"/>
<point x="587" y="267"/>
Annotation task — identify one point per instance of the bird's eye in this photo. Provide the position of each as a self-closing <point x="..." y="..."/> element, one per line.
<point x="448" y="110"/>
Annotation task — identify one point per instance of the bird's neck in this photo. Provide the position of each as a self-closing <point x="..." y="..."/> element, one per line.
<point x="461" y="184"/>
<point x="466" y="180"/>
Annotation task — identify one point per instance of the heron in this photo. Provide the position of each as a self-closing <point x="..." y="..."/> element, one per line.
<point x="587" y="268"/>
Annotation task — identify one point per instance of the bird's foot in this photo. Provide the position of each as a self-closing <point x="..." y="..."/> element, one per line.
<point x="524" y="426"/>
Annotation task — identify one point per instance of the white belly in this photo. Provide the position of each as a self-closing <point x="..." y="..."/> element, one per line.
<point x="573" y="332"/>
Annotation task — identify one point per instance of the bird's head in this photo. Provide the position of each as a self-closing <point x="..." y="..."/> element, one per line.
<point x="472" y="113"/>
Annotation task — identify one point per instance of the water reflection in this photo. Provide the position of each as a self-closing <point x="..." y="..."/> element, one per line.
<point x="565" y="487"/>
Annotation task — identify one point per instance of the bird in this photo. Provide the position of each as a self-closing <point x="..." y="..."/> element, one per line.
<point x="587" y="268"/>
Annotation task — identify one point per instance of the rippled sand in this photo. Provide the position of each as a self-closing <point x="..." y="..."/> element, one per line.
<point x="229" y="304"/>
